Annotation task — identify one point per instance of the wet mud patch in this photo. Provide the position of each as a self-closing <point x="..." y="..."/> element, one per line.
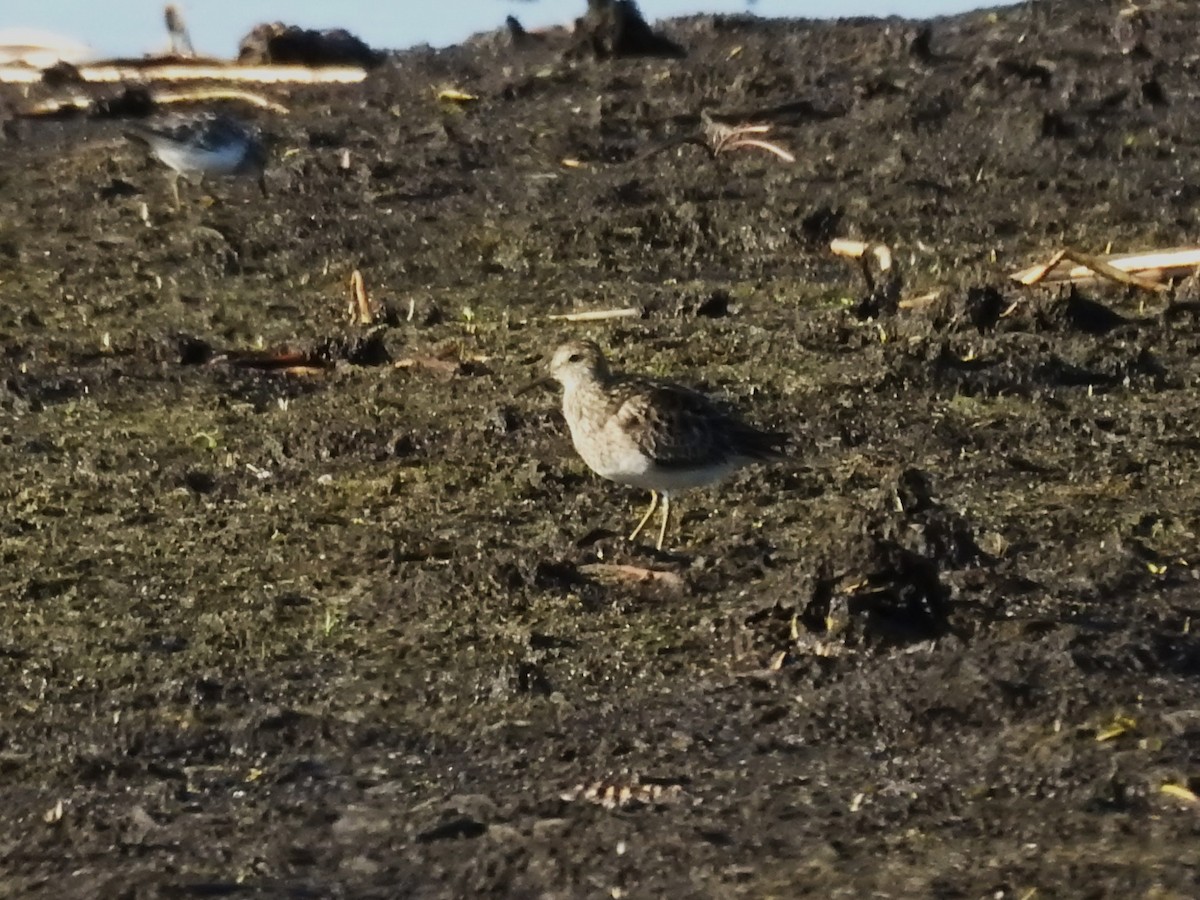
<point x="297" y="607"/>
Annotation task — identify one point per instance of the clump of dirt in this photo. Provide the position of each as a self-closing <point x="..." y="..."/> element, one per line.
<point x="298" y="607"/>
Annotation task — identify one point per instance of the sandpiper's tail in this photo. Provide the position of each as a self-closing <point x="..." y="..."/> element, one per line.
<point x="763" y="446"/>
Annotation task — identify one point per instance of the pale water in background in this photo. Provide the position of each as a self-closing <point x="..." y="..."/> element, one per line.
<point x="135" y="27"/>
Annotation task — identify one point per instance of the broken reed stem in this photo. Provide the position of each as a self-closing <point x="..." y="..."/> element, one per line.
<point x="762" y="145"/>
<point x="921" y="301"/>
<point x="1037" y="273"/>
<point x="207" y="94"/>
<point x="1123" y="268"/>
<point x="852" y="249"/>
<point x="598" y="315"/>
<point x="360" y="305"/>
<point x="631" y="574"/>
<point x="1100" y="267"/>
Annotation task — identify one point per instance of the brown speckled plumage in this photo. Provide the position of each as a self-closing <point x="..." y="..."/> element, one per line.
<point x="651" y="433"/>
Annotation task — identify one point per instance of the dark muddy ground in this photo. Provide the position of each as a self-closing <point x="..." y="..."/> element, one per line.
<point x="333" y="634"/>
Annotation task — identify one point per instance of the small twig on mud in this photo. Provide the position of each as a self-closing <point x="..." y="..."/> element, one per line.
<point x="1141" y="270"/>
<point x="286" y="362"/>
<point x="360" y="306"/>
<point x="454" y="95"/>
<point x="447" y="360"/>
<point x="447" y="368"/>
<point x="598" y="315"/>
<point x="56" y="107"/>
<point x="1180" y="792"/>
<point x="1120" y="725"/>
<point x="722" y="138"/>
<point x="634" y="574"/>
<point x="920" y="301"/>
<point x="1036" y="274"/>
<point x="717" y="138"/>
<point x="1100" y="267"/>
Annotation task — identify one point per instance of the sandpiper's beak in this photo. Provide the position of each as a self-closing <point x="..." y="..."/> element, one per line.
<point x="544" y="382"/>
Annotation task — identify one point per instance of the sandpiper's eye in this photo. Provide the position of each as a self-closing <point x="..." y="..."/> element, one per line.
<point x="574" y="357"/>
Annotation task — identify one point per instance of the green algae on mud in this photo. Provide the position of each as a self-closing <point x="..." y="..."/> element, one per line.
<point x="333" y="634"/>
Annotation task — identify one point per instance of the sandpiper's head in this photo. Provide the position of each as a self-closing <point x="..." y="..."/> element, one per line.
<point x="577" y="361"/>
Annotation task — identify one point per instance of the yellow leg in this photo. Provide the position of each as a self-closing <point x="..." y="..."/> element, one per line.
<point x="175" y="189"/>
<point x="646" y="517"/>
<point x="662" y="532"/>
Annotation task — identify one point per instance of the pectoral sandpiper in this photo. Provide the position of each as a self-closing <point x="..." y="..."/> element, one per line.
<point x="650" y="433"/>
<point x="202" y="145"/>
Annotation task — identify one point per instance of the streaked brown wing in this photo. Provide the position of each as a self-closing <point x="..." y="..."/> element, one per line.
<point x="672" y="425"/>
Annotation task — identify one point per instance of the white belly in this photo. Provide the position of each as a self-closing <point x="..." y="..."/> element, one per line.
<point x="620" y="461"/>
<point x="670" y="481"/>
<point x="224" y="160"/>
